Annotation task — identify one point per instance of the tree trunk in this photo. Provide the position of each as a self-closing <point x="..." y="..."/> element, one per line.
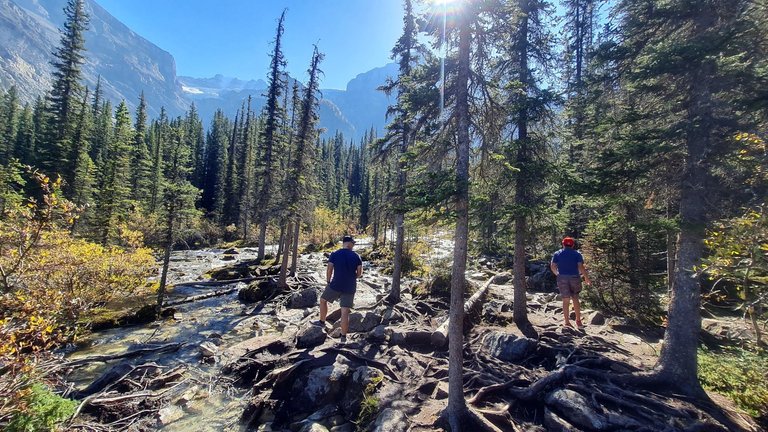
<point x="678" y="358"/>
<point x="295" y="247"/>
<point x="520" y="308"/>
<point x="166" y="262"/>
<point x="457" y="407"/>
<point x="281" y="281"/>
<point x="262" y="239"/>
<point x="280" y="243"/>
<point x="670" y="252"/>
<point x="397" y="263"/>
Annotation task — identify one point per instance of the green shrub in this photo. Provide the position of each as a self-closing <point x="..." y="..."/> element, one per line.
<point x="43" y="411"/>
<point x="370" y="404"/>
<point x="738" y="374"/>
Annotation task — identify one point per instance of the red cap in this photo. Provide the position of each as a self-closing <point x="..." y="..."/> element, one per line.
<point x="569" y="242"/>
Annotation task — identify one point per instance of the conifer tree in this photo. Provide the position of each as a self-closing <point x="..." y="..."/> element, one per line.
<point x="297" y="183"/>
<point x="195" y="137"/>
<point x="693" y="64"/>
<point x="25" y="136"/>
<point x="141" y="163"/>
<point x="179" y="194"/>
<point x="399" y="136"/>
<point x="159" y="136"/>
<point x="216" y="146"/>
<point x="85" y="171"/>
<point x="66" y="92"/>
<point x="10" y="124"/>
<point x="269" y="136"/>
<point x="114" y="192"/>
<point x="531" y="45"/>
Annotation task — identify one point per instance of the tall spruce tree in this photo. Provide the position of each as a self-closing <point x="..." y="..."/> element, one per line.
<point x="690" y="66"/>
<point x="270" y="136"/>
<point x="179" y="194"/>
<point x="399" y="135"/>
<point x="216" y="150"/>
<point x="141" y="162"/>
<point x="297" y="183"/>
<point x="66" y="92"/>
<point x="114" y="191"/>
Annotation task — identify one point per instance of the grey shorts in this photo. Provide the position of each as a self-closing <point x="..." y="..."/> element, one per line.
<point x="331" y="295"/>
<point x="569" y="286"/>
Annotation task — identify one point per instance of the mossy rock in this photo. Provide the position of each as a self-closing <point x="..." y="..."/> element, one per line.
<point x="103" y="318"/>
<point x="258" y="291"/>
<point x="439" y="287"/>
<point x="230" y="273"/>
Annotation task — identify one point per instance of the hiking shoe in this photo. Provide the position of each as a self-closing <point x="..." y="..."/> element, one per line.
<point x="318" y="323"/>
<point x="342" y="341"/>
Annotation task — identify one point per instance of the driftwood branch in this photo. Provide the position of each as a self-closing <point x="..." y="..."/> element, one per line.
<point x="195" y="298"/>
<point x="137" y="352"/>
<point x="440" y="336"/>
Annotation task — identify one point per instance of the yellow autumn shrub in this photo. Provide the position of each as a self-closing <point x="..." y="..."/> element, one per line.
<point x="49" y="280"/>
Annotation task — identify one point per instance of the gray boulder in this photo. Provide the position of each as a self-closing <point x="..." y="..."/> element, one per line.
<point x="258" y="291"/>
<point x="508" y="347"/>
<point x="542" y="281"/>
<point x="310" y="336"/>
<point x="596" y="318"/>
<point x="360" y="323"/>
<point x="303" y="299"/>
<point x="321" y="386"/>
<point x="391" y="420"/>
<point x="355" y="389"/>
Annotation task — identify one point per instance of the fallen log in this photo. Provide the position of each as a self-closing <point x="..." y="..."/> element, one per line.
<point x="198" y="297"/>
<point x="105" y="358"/>
<point x="219" y="282"/>
<point x="440" y="336"/>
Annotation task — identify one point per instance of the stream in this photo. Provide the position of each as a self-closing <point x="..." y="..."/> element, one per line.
<point x="217" y="406"/>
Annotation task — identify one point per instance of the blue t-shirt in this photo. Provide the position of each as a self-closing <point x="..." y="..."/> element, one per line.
<point x="567" y="261"/>
<point x="345" y="264"/>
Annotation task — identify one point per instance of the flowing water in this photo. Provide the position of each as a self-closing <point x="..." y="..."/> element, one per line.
<point x="219" y="405"/>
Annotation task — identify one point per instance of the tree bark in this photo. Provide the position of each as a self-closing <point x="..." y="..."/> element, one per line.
<point x="280" y="243"/>
<point x="262" y="239"/>
<point x="397" y="264"/>
<point x="457" y="406"/>
<point x="520" y="308"/>
<point x="281" y="280"/>
<point x="166" y="260"/>
<point x="295" y="247"/>
<point x="677" y="362"/>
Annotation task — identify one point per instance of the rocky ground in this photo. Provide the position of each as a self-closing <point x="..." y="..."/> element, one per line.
<point x="267" y="368"/>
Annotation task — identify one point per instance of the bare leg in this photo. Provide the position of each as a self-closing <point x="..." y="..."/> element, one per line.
<point x="566" y="310"/>
<point x="344" y="321"/>
<point x="323" y="309"/>
<point x="577" y="309"/>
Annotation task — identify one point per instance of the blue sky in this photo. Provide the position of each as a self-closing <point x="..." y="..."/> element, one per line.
<point x="233" y="37"/>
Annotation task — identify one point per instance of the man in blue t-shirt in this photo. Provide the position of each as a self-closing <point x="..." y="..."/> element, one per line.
<point x="568" y="265"/>
<point x="344" y="267"/>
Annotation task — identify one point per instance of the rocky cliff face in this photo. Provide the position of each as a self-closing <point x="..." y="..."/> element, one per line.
<point x="127" y="63"/>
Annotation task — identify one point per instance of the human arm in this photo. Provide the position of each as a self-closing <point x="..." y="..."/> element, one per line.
<point x="329" y="272"/>
<point x="359" y="271"/>
<point x="553" y="267"/>
<point x="583" y="272"/>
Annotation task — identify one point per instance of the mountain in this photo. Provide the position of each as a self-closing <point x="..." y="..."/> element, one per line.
<point x="127" y="63"/>
<point x="353" y="111"/>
